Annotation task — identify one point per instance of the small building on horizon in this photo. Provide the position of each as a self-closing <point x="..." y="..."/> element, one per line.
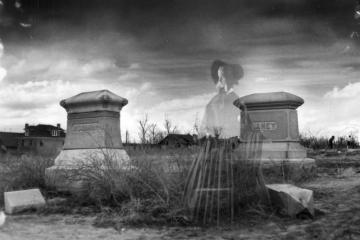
<point x="178" y="140"/>
<point x="42" y="139"/>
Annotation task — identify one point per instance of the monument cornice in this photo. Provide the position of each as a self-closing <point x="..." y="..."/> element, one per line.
<point x="272" y="100"/>
<point x="102" y="100"/>
<point x="265" y="106"/>
<point x="94" y="114"/>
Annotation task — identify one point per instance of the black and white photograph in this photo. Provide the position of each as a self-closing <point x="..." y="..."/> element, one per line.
<point x="179" y="119"/>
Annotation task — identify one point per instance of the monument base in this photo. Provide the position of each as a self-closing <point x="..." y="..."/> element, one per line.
<point x="282" y="150"/>
<point x="283" y="161"/>
<point x="288" y="170"/>
<point x="82" y="156"/>
<point x="71" y="167"/>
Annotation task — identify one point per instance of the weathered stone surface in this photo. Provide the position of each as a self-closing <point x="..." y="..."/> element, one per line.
<point x="275" y="115"/>
<point x="94" y="101"/>
<point x="65" y="176"/>
<point x="76" y="157"/>
<point x="289" y="170"/>
<point x="272" y="100"/>
<point x="290" y="199"/>
<point x="282" y="150"/>
<point x="18" y="201"/>
<point x="93" y="134"/>
<point x="93" y="120"/>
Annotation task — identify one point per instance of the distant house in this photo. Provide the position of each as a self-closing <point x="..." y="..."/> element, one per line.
<point x="42" y="139"/>
<point x="9" y="141"/>
<point x="178" y="140"/>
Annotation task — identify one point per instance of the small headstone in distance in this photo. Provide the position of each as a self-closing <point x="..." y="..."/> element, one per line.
<point x="18" y="201"/>
<point x="348" y="172"/>
<point x="56" y="201"/>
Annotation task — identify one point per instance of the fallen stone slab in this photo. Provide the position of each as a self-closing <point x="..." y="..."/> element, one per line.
<point x="18" y="201"/>
<point x="290" y="199"/>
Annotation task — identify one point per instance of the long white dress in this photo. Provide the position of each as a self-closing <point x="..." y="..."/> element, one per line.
<point x="221" y="116"/>
<point x="224" y="177"/>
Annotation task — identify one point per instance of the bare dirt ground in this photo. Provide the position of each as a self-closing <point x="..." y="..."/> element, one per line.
<point x="336" y="196"/>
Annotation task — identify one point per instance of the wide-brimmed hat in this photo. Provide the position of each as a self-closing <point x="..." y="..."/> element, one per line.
<point x="234" y="71"/>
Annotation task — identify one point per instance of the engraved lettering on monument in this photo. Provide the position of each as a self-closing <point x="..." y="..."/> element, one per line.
<point x="265" y="126"/>
<point x="85" y="127"/>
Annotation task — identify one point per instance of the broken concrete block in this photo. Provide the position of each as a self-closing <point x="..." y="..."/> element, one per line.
<point x="290" y="199"/>
<point x="18" y="201"/>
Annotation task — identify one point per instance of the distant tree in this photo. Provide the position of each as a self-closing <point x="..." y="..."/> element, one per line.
<point x="144" y="127"/>
<point x="196" y="126"/>
<point x="169" y="127"/>
<point x="155" y="135"/>
<point x="127" y="137"/>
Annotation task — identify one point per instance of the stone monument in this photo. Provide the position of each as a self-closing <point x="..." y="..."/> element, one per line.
<point x="93" y="132"/>
<point x="275" y="115"/>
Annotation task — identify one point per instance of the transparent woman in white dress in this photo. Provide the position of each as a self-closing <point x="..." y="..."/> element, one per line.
<point x="226" y="175"/>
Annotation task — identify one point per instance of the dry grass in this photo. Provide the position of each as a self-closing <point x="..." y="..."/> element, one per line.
<point x="149" y="189"/>
<point x="224" y="181"/>
<point x="316" y="142"/>
<point x="23" y="172"/>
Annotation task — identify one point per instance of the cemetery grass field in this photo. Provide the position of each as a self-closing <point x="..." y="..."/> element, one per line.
<point x="336" y="196"/>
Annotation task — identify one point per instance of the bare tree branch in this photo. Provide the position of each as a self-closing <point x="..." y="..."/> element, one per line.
<point x="153" y="133"/>
<point x="144" y="129"/>
<point x="169" y="127"/>
<point x="127" y="137"/>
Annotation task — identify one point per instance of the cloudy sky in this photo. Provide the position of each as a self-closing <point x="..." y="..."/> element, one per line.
<point x="157" y="54"/>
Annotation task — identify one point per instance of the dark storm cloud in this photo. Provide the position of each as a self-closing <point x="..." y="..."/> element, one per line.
<point x="176" y="38"/>
<point x="158" y="52"/>
<point x="167" y="24"/>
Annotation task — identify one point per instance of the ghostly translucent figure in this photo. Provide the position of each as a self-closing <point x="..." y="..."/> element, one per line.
<point x="226" y="175"/>
<point x="222" y="118"/>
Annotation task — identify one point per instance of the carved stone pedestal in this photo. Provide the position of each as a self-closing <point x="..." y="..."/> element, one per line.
<point x="275" y="115"/>
<point x="92" y="138"/>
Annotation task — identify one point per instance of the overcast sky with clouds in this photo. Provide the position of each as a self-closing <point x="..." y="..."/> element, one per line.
<point x="157" y="53"/>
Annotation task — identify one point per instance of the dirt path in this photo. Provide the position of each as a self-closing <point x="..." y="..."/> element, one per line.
<point x="337" y="197"/>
